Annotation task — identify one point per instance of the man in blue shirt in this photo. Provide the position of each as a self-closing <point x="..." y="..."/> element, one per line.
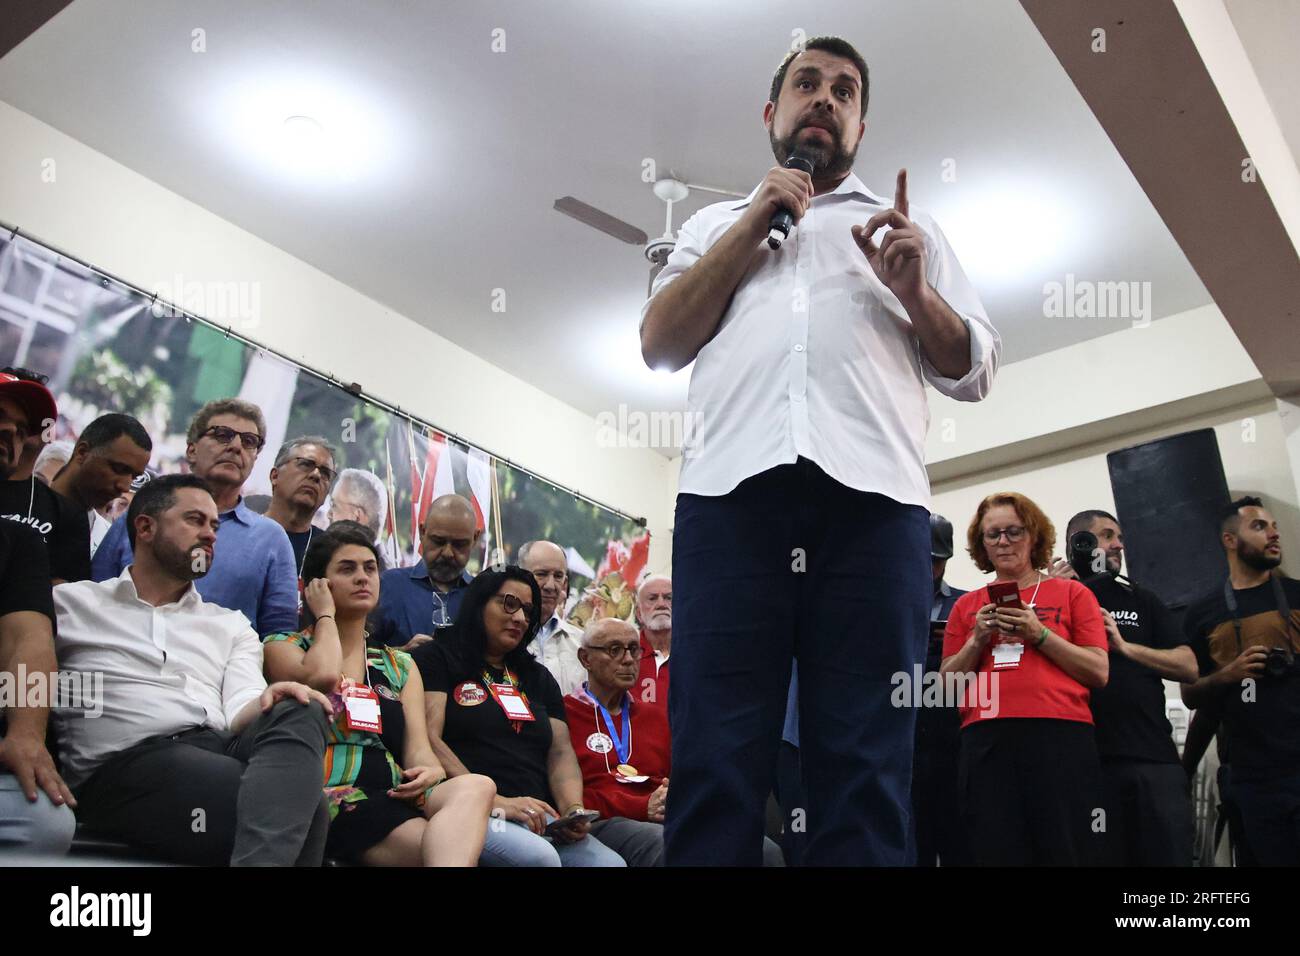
<point x="414" y="601"/>
<point x="252" y="568"/>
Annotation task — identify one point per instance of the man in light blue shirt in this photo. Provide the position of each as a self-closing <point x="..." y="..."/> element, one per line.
<point x="252" y="566"/>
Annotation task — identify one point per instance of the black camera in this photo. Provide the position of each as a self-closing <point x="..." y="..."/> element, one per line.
<point x="1083" y="552"/>
<point x="1278" y="663"/>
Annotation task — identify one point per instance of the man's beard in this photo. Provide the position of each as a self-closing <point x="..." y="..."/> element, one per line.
<point x="444" y="572"/>
<point x="1256" y="558"/>
<point x="659" y="622"/>
<point x="186" y="564"/>
<point x="828" y="161"/>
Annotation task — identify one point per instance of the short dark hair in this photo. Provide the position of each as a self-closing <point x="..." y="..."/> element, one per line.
<point x="157" y="496"/>
<point x="1083" y="519"/>
<point x="827" y="44"/>
<point x="466" y="642"/>
<point x="321" y="551"/>
<point x="108" y="428"/>
<point x="1231" y="516"/>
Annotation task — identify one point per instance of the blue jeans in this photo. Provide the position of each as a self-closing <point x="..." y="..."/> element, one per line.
<point x="513" y="844"/>
<point x="39" y="828"/>
<point x="793" y="565"/>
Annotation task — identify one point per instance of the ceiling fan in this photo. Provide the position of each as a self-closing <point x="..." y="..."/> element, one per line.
<point x="670" y="190"/>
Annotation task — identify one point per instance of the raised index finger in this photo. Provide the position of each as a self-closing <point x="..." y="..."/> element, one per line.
<point x="900" y="192"/>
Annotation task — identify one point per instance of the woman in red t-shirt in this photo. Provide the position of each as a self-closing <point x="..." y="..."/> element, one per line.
<point x="1028" y="777"/>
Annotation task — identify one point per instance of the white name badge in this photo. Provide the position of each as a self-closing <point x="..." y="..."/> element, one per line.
<point x="1007" y="656"/>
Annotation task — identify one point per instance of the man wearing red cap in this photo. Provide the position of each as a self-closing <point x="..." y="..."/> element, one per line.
<point x="27" y="408"/>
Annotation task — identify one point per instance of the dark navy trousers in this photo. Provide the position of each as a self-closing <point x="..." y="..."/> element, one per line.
<point x="794" y="565"/>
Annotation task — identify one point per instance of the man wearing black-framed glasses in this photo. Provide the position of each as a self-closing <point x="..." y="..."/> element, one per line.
<point x="624" y="746"/>
<point x="303" y="474"/>
<point x="253" y="569"/>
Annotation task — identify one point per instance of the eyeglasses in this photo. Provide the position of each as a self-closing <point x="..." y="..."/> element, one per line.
<point x="1014" y="534"/>
<point x="616" y="650"/>
<point x="307" y="465"/>
<point x="250" y="441"/>
<point x="513" y="604"/>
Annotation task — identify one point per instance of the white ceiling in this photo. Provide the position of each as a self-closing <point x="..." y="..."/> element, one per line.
<point x="455" y="153"/>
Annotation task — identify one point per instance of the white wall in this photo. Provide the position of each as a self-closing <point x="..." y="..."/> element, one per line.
<point x="1064" y="483"/>
<point x="103" y="213"/>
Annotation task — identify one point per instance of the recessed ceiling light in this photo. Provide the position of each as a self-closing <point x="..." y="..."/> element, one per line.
<point x="303" y="134"/>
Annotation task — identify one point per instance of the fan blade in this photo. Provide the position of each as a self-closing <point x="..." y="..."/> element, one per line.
<point x="591" y="216"/>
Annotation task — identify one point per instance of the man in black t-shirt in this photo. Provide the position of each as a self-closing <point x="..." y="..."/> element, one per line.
<point x="1246" y="635"/>
<point x="1150" y="821"/>
<point x="27" y="408"/>
<point x="34" y="801"/>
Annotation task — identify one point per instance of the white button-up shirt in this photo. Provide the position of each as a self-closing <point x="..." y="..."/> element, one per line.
<point x="556" y="647"/>
<point x="816" y="358"/>
<point x="165" y="669"/>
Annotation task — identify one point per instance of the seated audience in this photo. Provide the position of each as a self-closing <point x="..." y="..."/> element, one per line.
<point x="654" y="611"/>
<point x="624" y="747"/>
<point x="426" y="596"/>
<point x="111" y="452"/>
<point x="259" y="577"/>
<point x="391" y="803"/>
<point x="51" y="460"/>
<point x="1150" y="820"/>
<point x="300" y="480"/>
<point x="557" y="641"/>
<point x="1246" y="635"/>
<point x="492" y="709"/>
<point x="1028" y="757"/>
<point x="193" y="757"/>
<point x="34" y="801"/>
<point x="26" y="410"/>
<point x="359" y="496"/>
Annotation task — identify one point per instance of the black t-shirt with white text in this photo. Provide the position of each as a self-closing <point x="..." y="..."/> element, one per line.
<point x="24" y="577"/>
<point x="483" y="738"/>
<point x="1262" y="718"/>
<point x="1129" y="712"/>
<point x="60" y="523"/>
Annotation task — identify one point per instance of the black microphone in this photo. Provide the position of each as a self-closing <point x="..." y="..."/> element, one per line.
<point x="782" y="219"/>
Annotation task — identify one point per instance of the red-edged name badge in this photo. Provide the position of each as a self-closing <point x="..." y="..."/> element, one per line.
<point x="516" y="707"/>
<point x="361" y="709"/>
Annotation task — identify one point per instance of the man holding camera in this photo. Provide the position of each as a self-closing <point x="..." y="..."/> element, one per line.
<point x="1151" y="822"/>
<point x="1245" y="638"/>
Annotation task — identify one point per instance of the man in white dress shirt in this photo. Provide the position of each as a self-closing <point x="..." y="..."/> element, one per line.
<point x="802" y="528"/>
<point x="191" y="756"/>
<point x="557" y="641"/>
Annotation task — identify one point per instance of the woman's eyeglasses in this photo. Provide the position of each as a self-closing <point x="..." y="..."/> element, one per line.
<point x="513" y="604"/>
<point x="1014" y="534"/>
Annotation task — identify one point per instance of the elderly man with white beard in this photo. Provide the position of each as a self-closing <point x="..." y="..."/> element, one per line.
<point x="654" y="612"/>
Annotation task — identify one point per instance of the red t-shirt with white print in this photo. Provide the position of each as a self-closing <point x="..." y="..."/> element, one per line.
<point x="1037" y="687"/>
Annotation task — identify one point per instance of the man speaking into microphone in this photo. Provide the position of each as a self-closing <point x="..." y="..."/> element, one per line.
<point x="802" y="527"/>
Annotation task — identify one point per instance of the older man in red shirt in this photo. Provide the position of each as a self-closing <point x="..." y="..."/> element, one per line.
<point x="622" y="744"/>
<point x="654" y="609"/>
<point x="623" y="747"/>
